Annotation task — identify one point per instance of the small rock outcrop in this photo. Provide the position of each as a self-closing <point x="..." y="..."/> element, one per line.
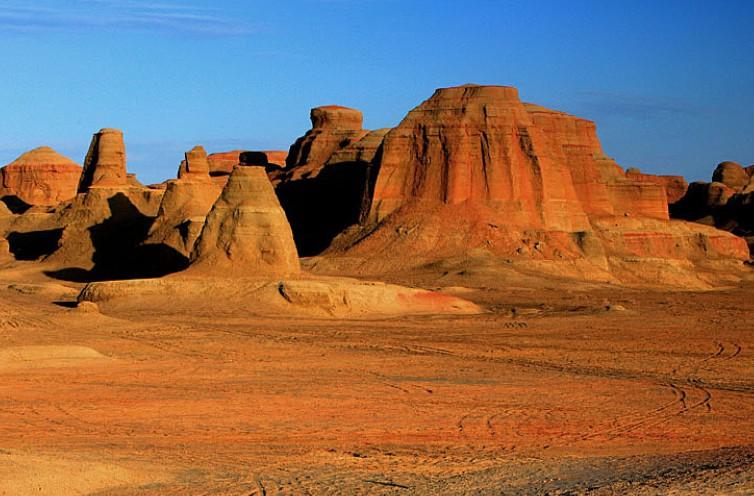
<point x="221" y="164"/>
<point x="246" y="232"/>
<point x="333" y="127"/>
<point x="195" y="164"/>
<point x="185" y="205"/>
<point x="726" y="203"/>
<point x="105" y="163"/>
<point x="40" y="177"/>
<point x="731" y="174"/>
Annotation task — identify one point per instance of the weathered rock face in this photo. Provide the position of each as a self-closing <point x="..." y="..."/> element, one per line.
<point x="478" y="145"/>
<point x="246" y="232"/>
<point x="97" y="233"/>
<point x="323" y="199"/>
<point x="5" y="254"/>
<point x="222" y="163"/>
<point x="100" y="231"/>
<point x="195" y="165"/>
<point x="675" y="186"/>
<point x="333" y="128"/>
<point x="732" y="175"/>
<point x="185" y="205"/>
<point x="105" y="164"/>
<point x="473" y="168"/>
<point x="727" y="202"/>
<point x="40" y="177"/>
<point x="362" y="151"/>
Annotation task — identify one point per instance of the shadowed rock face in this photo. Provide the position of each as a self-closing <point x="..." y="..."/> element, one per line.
<point x="40" y="177"/>
<point x="97" y="233"/>
<point x="105" y="164"/>
<point x="322" y="202"/>
<point x="726" y="203"/>
<point x="333" y="128"/>
<point x="246" y="232"/>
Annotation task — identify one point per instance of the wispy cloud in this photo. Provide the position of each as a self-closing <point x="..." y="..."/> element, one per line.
<point x="111" y="15"/>
<point x="636" y="106"/>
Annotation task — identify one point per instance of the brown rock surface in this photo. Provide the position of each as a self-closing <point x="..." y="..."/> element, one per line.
<point x="5" y="254"/>
<point x="223" y="162"/>
<point x="100" y="230"/>
<point x="246" y="232"/>
<point x="40" y="177"/>
<point x="333" y="128"/>
<point x="105" y="164"/>
<point x="196" y="164"/>
<point x="185" y="205"/>
<point x="726" y="203"/>
<point x="731" y="174"/>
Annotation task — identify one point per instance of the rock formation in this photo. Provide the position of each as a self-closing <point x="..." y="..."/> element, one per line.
<point x="473" y="168"/>
<point x="333" y="128"/>
<point x="5" y="254"/>
<point x="40" y="177"/>
<point x="221" y="164"/>
<point x="675" y="186"/>
<point x="105" y="163"/>
<point x="328" y="176"/>
<point x="727" y="202"/>
<point x="100" y="229"/>
<point x="185" y="205"/>
<point x="246" y="232"/>
<point x="732" y="175"/>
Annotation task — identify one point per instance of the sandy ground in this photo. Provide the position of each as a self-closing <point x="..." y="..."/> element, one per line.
<point x="553" y="391"/>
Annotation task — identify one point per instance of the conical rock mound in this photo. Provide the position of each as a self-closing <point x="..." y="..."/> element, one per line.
<point x="246" y="232"/>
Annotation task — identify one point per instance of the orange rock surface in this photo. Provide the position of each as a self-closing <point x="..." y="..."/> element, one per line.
<point x="40" y="177"/>
<point x="105" y="164"/>
<point x="473" y="168"/>
<point x="333" y="128"/>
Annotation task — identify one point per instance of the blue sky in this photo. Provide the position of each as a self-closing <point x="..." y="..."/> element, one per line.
<point x="669" y="83"/>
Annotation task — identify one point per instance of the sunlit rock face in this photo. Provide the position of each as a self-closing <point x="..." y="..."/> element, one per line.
<point x="40" y="177"/>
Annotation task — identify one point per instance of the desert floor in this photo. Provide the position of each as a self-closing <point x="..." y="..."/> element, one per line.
<point x="556" y="390"/>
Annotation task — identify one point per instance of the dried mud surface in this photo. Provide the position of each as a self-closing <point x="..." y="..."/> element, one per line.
<point x="555" y="390"/>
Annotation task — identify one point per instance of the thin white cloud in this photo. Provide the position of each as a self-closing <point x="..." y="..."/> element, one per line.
<point x="637" y="106"/>
<point x="92" y="15"/>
